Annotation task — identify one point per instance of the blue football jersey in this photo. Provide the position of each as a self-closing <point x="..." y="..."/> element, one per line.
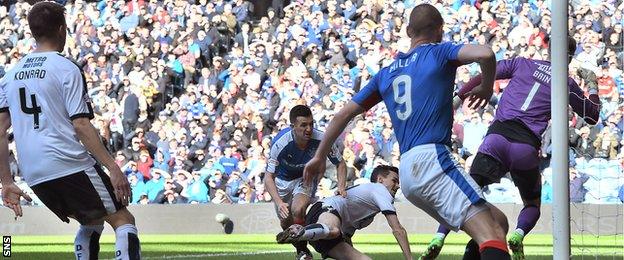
<point x="287" y="161"/>
<point x="417" y="89"/>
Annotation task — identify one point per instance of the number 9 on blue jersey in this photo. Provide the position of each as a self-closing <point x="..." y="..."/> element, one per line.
<point x="404" y="81"/>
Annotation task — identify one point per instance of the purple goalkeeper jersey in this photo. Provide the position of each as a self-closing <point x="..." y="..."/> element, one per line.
<point x="527" y="96"/>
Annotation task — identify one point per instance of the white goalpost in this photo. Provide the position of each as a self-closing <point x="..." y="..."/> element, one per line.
<point x="559" y="110"/>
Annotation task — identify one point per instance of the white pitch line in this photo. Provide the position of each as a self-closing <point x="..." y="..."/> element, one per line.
<point x="217" y="254"/>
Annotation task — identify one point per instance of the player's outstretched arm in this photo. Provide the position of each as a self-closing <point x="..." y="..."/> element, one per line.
<point x="342" y="178"/>
<point x="504" y="70"/>
<point x="269" y="184"/>
<point x="483" y="55"/>
<point x="90" y="138"/>
<point x="400" y="234"/>
<point x="11" y="194"/>
<point x="586" y="107"/>
<point x="316" y="166"/>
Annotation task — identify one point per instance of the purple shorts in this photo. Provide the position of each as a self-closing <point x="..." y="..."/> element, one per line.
<point x="497" y="156"/>
<point x="513" y="156"/>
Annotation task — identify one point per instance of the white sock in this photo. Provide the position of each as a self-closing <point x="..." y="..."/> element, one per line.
<point x="520" y="231"/>
<point x="315" y="232"/>
<point x="127" y="246"/>
<point x="87" y="242"/>
<point x="440" y="235"/>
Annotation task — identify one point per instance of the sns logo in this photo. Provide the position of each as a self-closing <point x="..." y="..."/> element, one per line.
<point x="6" y="246"/>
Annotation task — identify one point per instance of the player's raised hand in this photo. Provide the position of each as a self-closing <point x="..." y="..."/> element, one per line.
<point x="479" y="96"/>
<point x="11" y="196"/>
<point x="121" y="185"/>
<point x="315" y="167"/>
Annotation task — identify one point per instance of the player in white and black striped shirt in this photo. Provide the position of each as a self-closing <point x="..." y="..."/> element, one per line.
<point x="44" y="97"/>
<point x="332" y="222"/>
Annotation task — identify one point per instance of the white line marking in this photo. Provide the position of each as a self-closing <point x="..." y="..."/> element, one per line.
<point x="217" y="254"/>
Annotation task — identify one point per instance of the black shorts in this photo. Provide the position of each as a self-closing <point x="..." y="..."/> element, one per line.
<point x="486" y="170"/>
<point x="85" y="196"/>
<point x="322" y="246"/>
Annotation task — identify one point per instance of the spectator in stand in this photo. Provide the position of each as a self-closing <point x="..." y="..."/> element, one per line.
<point x="138" y="188"/>
<point x="131" y="112"/>
<point x="144" y="164"/>
<point x="577" y="190"/>
<point x="606" y="84"/>
<point x="581" y="142"/>
<point x="216" y="183"/>
<point x="197" y="190"/>
<point x="605" y="145"/>
<point x="133" y="152"/>
<point x="228" y="161"/>
<point x="156" y="184"/>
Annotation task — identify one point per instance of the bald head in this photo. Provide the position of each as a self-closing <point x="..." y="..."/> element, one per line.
<point x="425" y="22"/>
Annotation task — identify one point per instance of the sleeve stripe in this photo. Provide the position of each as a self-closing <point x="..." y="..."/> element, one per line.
<point x="317" y="134"/>
<point x="87" y="115"/>
<point x="84" y="86"/>
<point x="388" y="212"/>
<point x="282" y="141"/>
<point x="4" y="109"/>
<point x="456" y="63"/>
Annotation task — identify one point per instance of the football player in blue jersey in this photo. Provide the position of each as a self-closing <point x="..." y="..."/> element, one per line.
<point x="417" y="89"/>
<point x="291" y="149"/>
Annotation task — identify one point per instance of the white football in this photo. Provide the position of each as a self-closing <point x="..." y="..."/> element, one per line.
<point x="221" y="218"/>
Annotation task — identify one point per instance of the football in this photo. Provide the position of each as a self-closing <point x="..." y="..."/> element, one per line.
<point x="221" y="218"/>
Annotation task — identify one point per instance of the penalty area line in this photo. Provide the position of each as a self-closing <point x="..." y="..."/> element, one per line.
<point x="217" y="254"/>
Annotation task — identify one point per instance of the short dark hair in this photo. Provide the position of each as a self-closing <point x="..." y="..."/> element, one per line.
<point x="299" y="110"/>
<point x="382" y="170"/>
<point x="425" y="20"/>
<point x="45" y="18"/>
<point x="571" y="46"/>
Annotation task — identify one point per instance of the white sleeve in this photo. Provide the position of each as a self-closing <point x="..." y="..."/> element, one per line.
<point x="383" y="199"/>
<point x="75" y="95"/>
<point x="334" y="155"/>
<point x="4" y="104"/>
<point x="272" y="163"/>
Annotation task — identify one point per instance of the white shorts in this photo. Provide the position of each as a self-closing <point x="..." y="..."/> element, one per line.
<point x="435" y="182"/>
<point x="288" y="189"/>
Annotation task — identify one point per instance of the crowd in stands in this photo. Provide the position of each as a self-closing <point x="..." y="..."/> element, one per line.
<point x="188" y="94"/>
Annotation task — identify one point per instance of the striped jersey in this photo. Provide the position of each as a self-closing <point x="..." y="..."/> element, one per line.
<point x="362" y="203"/>
<point x="43" y="93"/>
<point x="287" y="161"/>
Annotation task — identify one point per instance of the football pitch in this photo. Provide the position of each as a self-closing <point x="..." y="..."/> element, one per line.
<point x="241" y="246"/>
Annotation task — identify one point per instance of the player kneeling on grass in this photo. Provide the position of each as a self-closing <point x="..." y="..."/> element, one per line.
<point x="45" y="99"/>
<point x="291" y="149"/>
<point x="331" y="222"/>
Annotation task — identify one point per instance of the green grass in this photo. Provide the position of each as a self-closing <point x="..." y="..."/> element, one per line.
<point x="240" y="246"/>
